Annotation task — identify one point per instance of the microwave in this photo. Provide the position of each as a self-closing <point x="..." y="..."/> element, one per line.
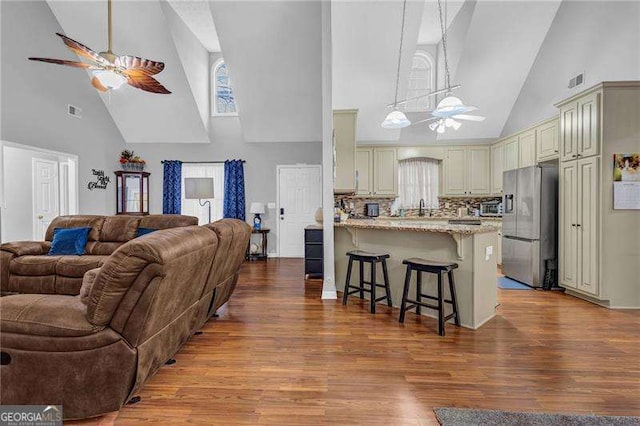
<point x="491" y="208"/>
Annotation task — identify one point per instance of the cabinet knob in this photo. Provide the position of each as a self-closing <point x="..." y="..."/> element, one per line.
<point x="555" y="150"/>
<point x="578" y="225"/>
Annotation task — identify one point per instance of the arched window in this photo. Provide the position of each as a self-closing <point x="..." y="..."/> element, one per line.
<point x="421" y="82"/>
<point x="223" y="101"/>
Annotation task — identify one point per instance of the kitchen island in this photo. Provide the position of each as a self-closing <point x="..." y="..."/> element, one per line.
<point x="472" y="247"/>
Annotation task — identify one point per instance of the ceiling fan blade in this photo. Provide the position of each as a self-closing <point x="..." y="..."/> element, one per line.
<point x="147" y="83"/>
<point x="469" y="117"/>
<point x="82" y="50"/>
<point x="135" y="65"/>
<point x="425" y="120"/>
<point x="75" y="64"/>
<point x="99" y="87"/>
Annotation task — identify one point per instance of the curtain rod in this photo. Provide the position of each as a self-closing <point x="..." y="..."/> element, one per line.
<point x="202" y="162"/>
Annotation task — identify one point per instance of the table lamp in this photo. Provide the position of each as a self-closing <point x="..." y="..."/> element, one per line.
<point x="199" y="189"/>
<point x="257" y="209"/>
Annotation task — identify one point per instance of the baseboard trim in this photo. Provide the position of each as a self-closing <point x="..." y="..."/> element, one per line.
<point x="329" y="294"/>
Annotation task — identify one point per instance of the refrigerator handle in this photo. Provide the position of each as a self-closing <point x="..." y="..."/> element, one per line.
<point x="508" y="203"/>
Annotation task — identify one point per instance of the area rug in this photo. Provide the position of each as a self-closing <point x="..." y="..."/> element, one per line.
<point x="470" y="417"/>
<point x="509" y="284"/>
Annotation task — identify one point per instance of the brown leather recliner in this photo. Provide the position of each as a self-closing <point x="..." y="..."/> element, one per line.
<point x="25" y="266"/>
<point x="146" y="300"/>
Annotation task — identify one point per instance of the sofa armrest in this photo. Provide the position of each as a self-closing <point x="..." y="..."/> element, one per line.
<point x="26" y="248"/>
<point x="87" y="284"/>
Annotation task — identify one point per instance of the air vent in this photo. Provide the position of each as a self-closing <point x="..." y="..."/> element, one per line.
<point x="576" y="81"/>
<point x="74" y="111"/>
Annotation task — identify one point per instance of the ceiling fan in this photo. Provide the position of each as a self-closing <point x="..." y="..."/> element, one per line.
<point x="111" y="71"/>
<point x="450" y="110"/>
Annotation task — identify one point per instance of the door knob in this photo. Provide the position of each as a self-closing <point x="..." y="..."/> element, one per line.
<point x="40" y="217"/>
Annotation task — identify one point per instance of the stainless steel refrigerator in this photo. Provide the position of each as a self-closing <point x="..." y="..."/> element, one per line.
<point x="530" y="223"/>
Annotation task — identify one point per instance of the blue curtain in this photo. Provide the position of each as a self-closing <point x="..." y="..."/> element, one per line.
<point x="234" y="205"/>
<point x="172" y="187"/>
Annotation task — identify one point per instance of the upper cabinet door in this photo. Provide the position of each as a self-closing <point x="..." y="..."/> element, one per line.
<point x="455" y="167"/>
<point x="547" y="141"/>
<point x="511" y="155"/>
<point x="497" y="167"/>
<point x="569" y="132"/>
<point x="364" y="171"/>
<point x="385" y="171"/>
<point x="344" y="131"/>
<point x="588" y="128"/>
<point x="527" y="149"/>
<point x="479" y="178"/>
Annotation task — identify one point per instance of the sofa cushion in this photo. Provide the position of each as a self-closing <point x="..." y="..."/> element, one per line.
<point x="87" y="283"/>
<point x="100" y="248"/>
<point x="34" y="265"/>
<point x="119" y="228"/>
<point x="164" y="221"/>
<point x="76" y="266"/>
<point x="45" y="315"/>
<point x="69" y="241"/>
<point x="77" y="221"/>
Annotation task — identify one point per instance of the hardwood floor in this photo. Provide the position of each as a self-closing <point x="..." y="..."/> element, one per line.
<point x="279" y="355"/>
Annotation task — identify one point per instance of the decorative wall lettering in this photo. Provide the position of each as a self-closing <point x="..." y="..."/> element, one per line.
<point x="101" y="180"/>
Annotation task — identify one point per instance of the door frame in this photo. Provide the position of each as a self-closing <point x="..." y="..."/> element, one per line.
<point x="56" y="165"/>
<point x="59" y="154"/>
<point x="278" y="169"/>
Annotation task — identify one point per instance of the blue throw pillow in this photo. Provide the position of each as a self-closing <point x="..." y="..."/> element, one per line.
<point x="69" y="241"/>
<point x="144" y="231"/>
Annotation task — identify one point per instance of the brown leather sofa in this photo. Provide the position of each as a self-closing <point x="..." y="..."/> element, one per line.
<point x="142" y="305"/>
<point x="25" y="266"/>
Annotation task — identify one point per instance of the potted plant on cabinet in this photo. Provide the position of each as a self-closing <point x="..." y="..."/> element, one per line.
<point x="131" y="162"/>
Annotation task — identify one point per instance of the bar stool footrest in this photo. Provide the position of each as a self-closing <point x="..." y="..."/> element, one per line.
<point x="424" y="305"/>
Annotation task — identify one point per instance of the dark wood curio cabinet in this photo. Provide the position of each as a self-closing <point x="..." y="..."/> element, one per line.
<point x="132" y="192"/>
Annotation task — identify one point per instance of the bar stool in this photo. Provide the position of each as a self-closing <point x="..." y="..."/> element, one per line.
<point x="373" y="259"/>
<point x="433" y="267"/>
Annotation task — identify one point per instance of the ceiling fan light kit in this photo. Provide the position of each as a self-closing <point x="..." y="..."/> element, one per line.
<point x="111" y="71"/>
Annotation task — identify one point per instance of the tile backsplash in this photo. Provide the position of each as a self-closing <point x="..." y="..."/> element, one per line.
<point x="385" y="205"/>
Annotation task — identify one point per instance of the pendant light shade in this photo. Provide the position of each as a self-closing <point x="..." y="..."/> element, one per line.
<point x="396" y="120"/>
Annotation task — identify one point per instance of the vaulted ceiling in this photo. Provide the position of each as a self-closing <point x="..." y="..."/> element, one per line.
<point x="491" y="48"/>
<point x="273" y="53"/>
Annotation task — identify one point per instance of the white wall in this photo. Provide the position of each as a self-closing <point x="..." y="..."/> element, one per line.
<point x="35" y="96"/>
<point x="227" y="144"/>
<point x="597" y="37"/>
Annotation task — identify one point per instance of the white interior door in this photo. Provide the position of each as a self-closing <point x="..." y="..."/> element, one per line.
<point x="299" y="196"/>
<point x="46" y="195"/>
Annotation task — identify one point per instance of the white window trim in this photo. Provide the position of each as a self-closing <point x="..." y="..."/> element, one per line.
<point x="214" y="90"/>
<point x="432" y="74"/>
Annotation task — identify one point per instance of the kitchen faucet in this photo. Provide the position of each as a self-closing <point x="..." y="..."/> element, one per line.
<point x="421" y="208"/>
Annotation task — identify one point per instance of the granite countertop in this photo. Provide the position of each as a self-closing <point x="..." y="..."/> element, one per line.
<point x="443" y="218"/>
<point x="424" y="225"/>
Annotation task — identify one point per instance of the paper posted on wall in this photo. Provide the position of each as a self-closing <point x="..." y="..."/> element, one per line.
<point x="626" y="195"/>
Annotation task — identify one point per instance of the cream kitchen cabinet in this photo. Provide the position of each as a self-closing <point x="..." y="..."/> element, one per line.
<point x="579" y="127"/>
<point x="385" y="171"/>
<point x="597" y="242"/>
<point x="547" y="141"/>
<point x="497" y="167"/>
<point x="578" y="225"/>
<point x="511" y="154"/>
<point x="467" y="171"/>
<point x="344" y="145"/>
<point x="527" y="148"/>
<point x="377" y="171"/>
<point x="364" y="171"/>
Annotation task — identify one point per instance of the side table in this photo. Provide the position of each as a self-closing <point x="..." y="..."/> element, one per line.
<point x="262" y="247"/>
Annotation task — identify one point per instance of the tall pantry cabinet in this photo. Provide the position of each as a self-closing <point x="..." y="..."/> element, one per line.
<point x="599" y="247"/>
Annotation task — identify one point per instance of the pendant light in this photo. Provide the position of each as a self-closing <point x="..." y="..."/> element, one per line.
<point x="396" y="118"/>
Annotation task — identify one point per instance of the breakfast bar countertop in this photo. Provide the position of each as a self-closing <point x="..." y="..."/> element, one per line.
<point x="411" y="224"/>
